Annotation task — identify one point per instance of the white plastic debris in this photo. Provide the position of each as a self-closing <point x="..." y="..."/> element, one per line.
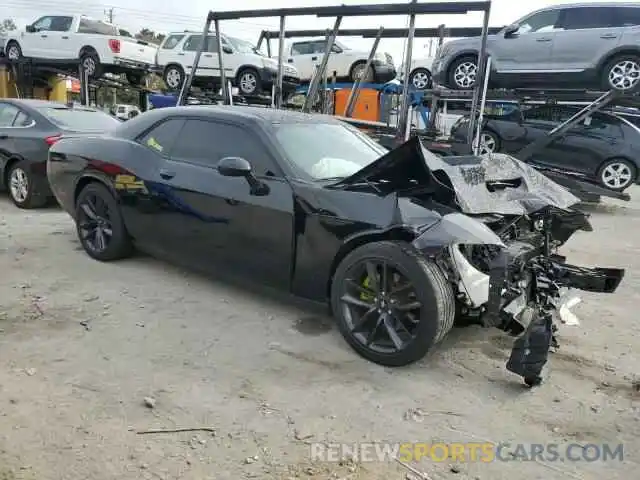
<point x="566" y="302"/>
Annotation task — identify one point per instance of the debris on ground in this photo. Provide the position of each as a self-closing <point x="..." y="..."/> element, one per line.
<point x="149" y="402"/>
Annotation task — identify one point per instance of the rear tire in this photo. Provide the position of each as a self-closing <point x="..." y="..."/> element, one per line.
<point x="22" y="187"/>
<point x="463" y="73"/>
<point x="429" y="322"/>
<point x="617" y="174"/>
<point x="173" y="77"/>
<point x="100" y="225"/>
<point x="357" y="69"/>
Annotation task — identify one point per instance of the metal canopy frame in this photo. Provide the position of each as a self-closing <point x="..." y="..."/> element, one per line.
<point x="411" y="9"/>
<point x="440" y="32"/>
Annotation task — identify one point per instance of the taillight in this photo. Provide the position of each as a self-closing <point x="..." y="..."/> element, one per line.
<point x="114" y="45"/>
<point x="52" y="139"/>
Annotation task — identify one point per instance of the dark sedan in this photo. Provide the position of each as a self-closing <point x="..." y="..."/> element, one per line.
<point x="312" y="205"/>
<point x="604" y="147"/>
<point x="27" y="129"/>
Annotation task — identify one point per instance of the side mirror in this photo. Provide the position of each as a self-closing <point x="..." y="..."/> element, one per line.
<point x="511" y="30"/>
<point x="227" y="49"/>
<point x="30" y="29"/>
<point x="336" y="49"/>
<point x="239" y="167"/>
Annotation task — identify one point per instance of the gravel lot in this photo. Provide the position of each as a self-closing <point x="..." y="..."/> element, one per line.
<point x="83" y="343"/>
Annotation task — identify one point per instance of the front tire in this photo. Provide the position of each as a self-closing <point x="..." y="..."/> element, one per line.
<point x="22" y="187"/>
<point x="617" y="174"/>
<point x="420" y="79"/>
<point x="100" y="225"/>
<point x="463" y="73"/>
<point x="248" y="82"/>
<point x="173" y="77"/>
<point x="13" y="51"/>
<point x="392" y="305"/>
<point x="621" y="73"/>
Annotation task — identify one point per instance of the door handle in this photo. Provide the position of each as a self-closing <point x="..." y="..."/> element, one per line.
<point x="166" y="174"/>
<point x="609" y="36"/>
<point x="44" y="36"/>
<point x="182" y="54"/>
<point x="545" y="39"/>
<point x="314" y="58"/>
<point x="290" y="60"/>
<point x="65" y="38"/>
<point x="208" y="55"/>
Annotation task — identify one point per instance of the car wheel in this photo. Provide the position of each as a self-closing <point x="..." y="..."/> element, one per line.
<point x="420" y="79"/>
<point x="91" y="64"/>
<point x="463" y="73"/>
<point x="22" y="187"/>
<point x="249" y="82"/>
<point x="617" y="174"/>
<point x="358" y="71"/>
<point x="173" y="77"/>
<point x="621" y="73"/>
<point x="391" y="304"/>
<point x="100" y="225"/>
<point x="489" y="142"/>
<point x="13" y="51"/>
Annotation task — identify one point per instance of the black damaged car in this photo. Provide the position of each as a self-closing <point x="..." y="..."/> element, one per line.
<point x="400" y="243"/>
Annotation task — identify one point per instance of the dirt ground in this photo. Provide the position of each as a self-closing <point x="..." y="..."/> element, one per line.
<point x="83" y="343"/>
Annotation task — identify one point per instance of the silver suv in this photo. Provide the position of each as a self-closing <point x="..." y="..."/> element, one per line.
<point x="577" y="45"/>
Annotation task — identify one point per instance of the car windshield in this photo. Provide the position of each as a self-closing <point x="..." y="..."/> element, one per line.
<point x="79" y="119"/>
<point x="244" y="47"/>
<point x="323" y="151"/>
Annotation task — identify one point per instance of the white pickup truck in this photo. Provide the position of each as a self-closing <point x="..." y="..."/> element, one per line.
<point x="345" y="62"/>
<point x="96" y="44"/>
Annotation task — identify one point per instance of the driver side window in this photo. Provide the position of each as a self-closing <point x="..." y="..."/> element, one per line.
<point x="43" y="24"/>
<point x="540" y="22"/>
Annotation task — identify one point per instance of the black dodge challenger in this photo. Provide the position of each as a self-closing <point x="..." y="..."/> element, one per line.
<point x="400" y="243"/>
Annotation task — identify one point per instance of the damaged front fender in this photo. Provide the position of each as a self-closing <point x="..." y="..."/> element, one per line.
<point x="455" y="228"/>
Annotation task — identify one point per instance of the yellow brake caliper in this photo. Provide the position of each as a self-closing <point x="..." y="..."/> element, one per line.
<point x="366" y="297"/>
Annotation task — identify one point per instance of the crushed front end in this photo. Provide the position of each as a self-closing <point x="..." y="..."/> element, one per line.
<point x="524" y="286"/>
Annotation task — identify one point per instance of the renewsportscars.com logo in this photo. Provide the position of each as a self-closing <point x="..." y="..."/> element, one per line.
<point x="467" y="452"/>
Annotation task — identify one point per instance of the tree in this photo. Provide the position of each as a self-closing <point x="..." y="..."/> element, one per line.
<point x="150" y="36"/>
<point x="7" y="25"/>
<point x="124" y="33"/>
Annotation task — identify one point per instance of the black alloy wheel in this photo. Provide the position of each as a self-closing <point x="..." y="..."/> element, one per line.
<point x="100" y="225"/>
<point x="392" y="305"/>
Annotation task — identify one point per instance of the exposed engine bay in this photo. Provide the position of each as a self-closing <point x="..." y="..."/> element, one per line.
<point x="496" y="229"/>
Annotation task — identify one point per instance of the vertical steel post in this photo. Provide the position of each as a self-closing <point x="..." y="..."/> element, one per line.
<point x="188" y="81"/>
<point x="480" y="74"/>
<point x="315" y="82"/>
<point x="226" y="92"/>
<point x="483" y="100"/>
<point x="279" y="93"/>
<point x="355" y="89"/>
<point x="404" y="103"/>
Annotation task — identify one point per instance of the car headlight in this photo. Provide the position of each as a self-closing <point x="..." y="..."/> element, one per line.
<point x="269" y="63"/>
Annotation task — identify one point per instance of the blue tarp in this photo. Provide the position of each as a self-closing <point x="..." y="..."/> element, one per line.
<point x="159" y="100"/>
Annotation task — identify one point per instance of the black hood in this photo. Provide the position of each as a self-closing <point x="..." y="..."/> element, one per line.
<point x="494" y="183"/>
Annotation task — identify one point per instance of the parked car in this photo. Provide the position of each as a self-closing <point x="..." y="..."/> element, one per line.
<point x="247" y="68"/>
<point x="125" y="112"/>
<point x="605" y="146"/>
<point x="311" y="205"/>
<point x="573" y="45"/>
<point x="345" y="62"/>
<point x="96" y="44"/>
<point x="27" y="129"/>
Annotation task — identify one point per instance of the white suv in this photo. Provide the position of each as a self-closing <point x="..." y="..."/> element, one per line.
<point x="247" y="68"/>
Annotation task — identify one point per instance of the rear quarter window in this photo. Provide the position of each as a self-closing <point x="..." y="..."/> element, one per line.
<point x="79" y="119"/>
